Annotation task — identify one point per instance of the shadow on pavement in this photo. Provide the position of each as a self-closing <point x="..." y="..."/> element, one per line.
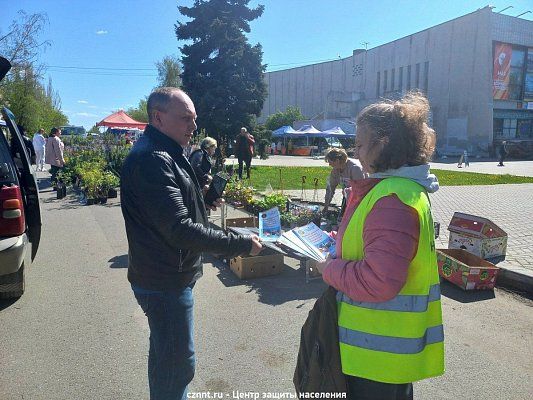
<point x="44" y="183"/>
<point x="465" y="296"/>
<point x="274" y="290"/>
<point x="119" y="261"/>
<point x="5" y="303"/>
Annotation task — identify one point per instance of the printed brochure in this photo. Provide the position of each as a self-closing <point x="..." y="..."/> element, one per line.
<point x="310" y="241"/>
<point x="270" y="225"/>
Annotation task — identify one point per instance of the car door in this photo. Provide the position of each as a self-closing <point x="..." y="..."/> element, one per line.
<point x="28" y="182"/>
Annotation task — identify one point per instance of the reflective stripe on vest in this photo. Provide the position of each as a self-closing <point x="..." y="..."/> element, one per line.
<point x="400" y="340"/>
<point x="407" y="303"/>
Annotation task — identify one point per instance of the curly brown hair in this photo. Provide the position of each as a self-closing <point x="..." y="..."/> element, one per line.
<point x="401" y="128"/>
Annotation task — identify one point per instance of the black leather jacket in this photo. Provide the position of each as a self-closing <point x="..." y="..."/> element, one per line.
<point x="165" y="216"/>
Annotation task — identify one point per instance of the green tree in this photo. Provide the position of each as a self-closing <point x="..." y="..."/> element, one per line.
<point x="34" y="105"/>
<point x="284" y="118"/>
<point x="168" y="72"/>
<point x="222" y="72"/>
<point x="140" y="112"/>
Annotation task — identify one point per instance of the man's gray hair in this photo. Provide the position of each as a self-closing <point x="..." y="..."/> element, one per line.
<point x="159" y="100"/>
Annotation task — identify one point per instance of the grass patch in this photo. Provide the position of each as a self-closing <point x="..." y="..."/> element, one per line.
<point x="261" y="176"/>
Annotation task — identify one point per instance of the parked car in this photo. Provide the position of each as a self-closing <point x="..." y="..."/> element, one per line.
<point x="20" y="212"/>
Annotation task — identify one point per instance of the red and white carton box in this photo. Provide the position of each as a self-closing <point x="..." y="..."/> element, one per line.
<point x="477" y="235"/>
<point x="466" y="270"/>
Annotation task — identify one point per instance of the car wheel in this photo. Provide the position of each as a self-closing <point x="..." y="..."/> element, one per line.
<point x="12" y="285"/>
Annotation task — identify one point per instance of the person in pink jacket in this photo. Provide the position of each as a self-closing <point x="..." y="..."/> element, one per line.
<point x="393" y="140"/>
<point x="54" y="153"/>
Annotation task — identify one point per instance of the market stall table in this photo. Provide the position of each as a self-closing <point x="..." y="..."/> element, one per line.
<point x="304" y="260"/>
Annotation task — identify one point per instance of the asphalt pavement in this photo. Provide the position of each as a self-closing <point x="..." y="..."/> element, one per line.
<point x="77" y="332"/>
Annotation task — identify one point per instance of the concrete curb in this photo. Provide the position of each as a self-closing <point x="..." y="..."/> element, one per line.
<point x="514" y="280"/>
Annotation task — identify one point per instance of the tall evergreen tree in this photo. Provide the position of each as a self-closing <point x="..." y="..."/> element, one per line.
<point x="222" y="72"/>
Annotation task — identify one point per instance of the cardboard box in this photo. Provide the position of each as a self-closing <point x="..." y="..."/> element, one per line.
<point x="466" y="270"/>
<point x="249" y="267"/>
<point x="245" y="222"/>
<point x="477" y="235"/>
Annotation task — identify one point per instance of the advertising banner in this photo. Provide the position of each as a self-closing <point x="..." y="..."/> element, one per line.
<point x="528" y="86"/>
<point x="501" y="69"/>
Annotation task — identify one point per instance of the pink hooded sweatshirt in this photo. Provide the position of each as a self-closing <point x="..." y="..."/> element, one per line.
<point x="390" y="234"/>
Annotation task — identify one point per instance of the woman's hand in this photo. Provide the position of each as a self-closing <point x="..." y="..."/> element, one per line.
<point x="321" y="266"/>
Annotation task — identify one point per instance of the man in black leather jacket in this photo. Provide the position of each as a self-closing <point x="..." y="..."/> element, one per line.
<point x="167" y="230"/>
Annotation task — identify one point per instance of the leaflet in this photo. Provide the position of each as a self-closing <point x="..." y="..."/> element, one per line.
<point x="317" y="241"/>
<point x="270" y="225"/>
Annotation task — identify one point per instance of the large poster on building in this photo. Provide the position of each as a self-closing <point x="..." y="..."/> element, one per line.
<point x="528" y="85"/>
<point x="501" y="69"/>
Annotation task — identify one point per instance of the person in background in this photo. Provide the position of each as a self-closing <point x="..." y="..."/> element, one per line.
<point x="389" y="309"/>
<point x="201" y="160"/>
<point x="278" y="147"/>
<point x="344" y="171"/>
<point x="244" y="150"/>
<point x="39" y="143"/>
<point x="273" y="148"/>
<point x="502" y="151"/>
<point x="167" y="230"/>
<point x="290" y="147"/>
<point x="28" y="143"/>
<point x="465" y="156"/>
<point x="54" y="154"/>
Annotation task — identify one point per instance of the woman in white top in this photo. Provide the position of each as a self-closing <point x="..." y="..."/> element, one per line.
<point x="39" y="143"/>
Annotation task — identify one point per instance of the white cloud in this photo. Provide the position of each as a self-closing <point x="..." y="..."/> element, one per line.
<point x="101" y="32"/>
<point x="92" y="106"/>
<point x="84" y="114"/>
<point x="83" y="102"/>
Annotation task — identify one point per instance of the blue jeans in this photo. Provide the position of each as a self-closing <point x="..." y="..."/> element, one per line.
<point x="171" y="359"/>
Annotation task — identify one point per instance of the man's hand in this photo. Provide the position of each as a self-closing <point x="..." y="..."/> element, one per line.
<point x="217" y="203"/>
<point x="209" y="178"/>
<point x="256" y="246"/>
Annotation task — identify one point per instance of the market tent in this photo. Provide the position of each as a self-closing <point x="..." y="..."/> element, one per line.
<point x="121" y="119"/>
<point x="336" y="132"/>
<point x="308" y="129"/>
<point x="283" y="131"/>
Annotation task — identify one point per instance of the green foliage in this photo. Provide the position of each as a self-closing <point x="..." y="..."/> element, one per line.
<point x="222" y="72"/>
<point x="22" y="90"/>
<point x="139" y="113"/>
<point x="168" y="72"/>
<point x="26" y="97"/>
<point x="453" y="178"/>
<point x="263" y="138"/>
<point x="272" y="200"/>
<point x="239" y="193"/>
<point x="284" y="118"/>
<point x="292" y="177"/>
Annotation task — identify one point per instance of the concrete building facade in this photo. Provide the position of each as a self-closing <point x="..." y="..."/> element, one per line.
<point x="473" y="106"/>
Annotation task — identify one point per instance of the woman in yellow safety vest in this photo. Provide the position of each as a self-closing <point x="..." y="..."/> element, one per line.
<point x="389" y="310"/>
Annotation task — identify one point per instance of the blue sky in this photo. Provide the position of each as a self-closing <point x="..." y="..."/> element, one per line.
<point x="134" y="34"/>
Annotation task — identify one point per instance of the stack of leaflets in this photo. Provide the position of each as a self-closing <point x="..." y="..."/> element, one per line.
<point x="270" y="225"/>
<point x="310" y="241"/>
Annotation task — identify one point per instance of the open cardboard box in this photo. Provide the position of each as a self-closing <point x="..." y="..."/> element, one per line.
<point x="249" y="267"/>
<point x="466" y="270"/>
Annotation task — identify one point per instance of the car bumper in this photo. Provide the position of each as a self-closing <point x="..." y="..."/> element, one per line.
<point x="13" y="250"/>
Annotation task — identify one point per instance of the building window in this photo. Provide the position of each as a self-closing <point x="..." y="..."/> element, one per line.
<point x="509" y="128"/>
<point x="524" y="129"/>
<point x="516" y="74"/>
<point x="392" y="76"/>
<point x="417" y="76"/>
<point x="377" y="86"/>
<point x="400" y="79"/>
<point x="385" y="79"/>
<point x="408" y="77"/>
<point x="426" y="77"/>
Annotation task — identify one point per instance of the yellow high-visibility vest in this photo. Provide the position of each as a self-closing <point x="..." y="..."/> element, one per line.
<point x="400" y="340"/>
